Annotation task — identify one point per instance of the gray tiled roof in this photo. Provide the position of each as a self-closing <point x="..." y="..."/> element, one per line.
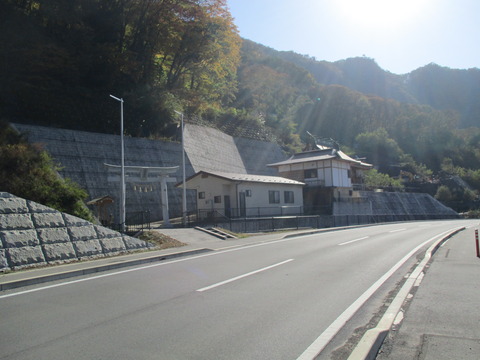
<point x="250" y="178"/>
<point x="320" y="155"/>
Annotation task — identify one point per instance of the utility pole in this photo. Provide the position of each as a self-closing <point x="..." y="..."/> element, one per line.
<point x="122" y="181"/>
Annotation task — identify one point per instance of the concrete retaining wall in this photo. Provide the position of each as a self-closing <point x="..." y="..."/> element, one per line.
<point x="396" y="204"/>
<point x="82" y="156"/>
<point x="34" y="235"/>
<point x="414" y="204"/>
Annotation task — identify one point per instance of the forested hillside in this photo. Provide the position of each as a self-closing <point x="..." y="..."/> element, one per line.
<point x="439" y="87"/>
<point x="60" y="61"/>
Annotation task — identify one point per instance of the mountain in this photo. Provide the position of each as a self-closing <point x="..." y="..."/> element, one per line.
<point x="439" y="87"/>
<point x="444" y="88"/>
<point x="422" y="116"/>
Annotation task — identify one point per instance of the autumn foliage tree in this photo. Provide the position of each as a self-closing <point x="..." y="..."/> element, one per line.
<point x="158" y="55"/>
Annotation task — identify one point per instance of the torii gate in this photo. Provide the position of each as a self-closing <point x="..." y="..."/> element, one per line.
<point x="149" y="175"/>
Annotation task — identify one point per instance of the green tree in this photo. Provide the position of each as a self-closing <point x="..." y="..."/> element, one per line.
<point x="444" y="194"/>
<point x="375" y="179"/>
<point x="417" y="172"/>
<point x="30" y="173"/>
<point x="379" y="148"/>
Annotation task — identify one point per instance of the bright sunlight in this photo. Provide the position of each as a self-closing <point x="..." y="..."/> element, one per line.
<point x="381" y="14"/>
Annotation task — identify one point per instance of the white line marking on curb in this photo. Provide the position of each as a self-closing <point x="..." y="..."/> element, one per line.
<point x="243" y="276"/>
<point x="351" y="241"/>
<point x="398" y="318"/>
<point x="319" y="344"/>
<point x="374" y="337"/>
<point x="419" y="279"/>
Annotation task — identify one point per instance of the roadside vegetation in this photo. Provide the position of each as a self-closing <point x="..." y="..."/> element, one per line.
<point x="29" y="172"/>
<point x="161" y="241"/>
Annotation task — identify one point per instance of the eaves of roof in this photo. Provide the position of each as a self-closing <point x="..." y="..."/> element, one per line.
<point x="321" y="156"/>
<point x="247" y="178"/>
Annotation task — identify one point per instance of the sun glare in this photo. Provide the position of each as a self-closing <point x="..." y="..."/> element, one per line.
<point x="380" y="14"/>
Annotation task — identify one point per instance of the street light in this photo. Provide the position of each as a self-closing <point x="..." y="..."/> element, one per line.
<point x="184" y="194"/>
<point x="122" y="181"/>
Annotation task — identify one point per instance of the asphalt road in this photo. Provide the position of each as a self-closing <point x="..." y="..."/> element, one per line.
<point x="282" y="299"/>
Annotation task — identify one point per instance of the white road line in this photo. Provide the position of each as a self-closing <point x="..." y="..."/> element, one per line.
<point x="243" y="276"/>
<point x="213" y="253"/>
<point x="319" y="344"/>
<point x="351" y="241"/>
<point x="394" y="231"/>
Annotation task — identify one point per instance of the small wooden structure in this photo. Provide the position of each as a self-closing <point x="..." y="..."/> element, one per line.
<point x="102" y="206"/>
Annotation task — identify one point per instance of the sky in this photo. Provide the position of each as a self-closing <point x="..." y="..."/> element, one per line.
<point x="400" y="35"/>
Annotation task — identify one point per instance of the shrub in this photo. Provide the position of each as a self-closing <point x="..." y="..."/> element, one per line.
<point x="29" y="172"/>
<point x="375" y="179"/>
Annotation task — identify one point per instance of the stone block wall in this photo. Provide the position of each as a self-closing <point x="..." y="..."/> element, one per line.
<point x="34" y="235"/>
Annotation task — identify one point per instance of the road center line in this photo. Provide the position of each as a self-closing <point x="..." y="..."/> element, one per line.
<point x="243" y="276"/>
<point x="351" y="241"/>
<point x="149" y="266"/>
<point x="394" y="231"/>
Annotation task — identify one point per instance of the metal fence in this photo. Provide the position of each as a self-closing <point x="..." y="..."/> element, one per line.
<point x="134" y="222"/>
<point x="264" y="224"/>
<point x="312" y="217"/>
<point x="258" y="212"/>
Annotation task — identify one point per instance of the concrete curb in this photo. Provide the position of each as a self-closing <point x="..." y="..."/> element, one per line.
<point x="372" y="340"/>
<point x="212" y="233"/>
<point x="330" y="229"/>
<point x="33" y="280"/>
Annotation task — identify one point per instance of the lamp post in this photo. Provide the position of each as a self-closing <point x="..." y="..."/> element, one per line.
<point x="122" y="181"/>
<point x="184" y="193"/>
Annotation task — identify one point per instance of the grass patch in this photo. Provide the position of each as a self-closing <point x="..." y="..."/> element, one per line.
<point x="160" y="240"/>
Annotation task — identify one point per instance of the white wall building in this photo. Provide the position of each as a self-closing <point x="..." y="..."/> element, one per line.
<point x="327" y="172"/>
<point x="245" y="195"/>
<point x="327" y="167"/>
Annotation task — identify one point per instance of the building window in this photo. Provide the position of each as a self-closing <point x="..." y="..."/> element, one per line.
<point x="310" y="173"/>
<point x="288" y="197"/>
<point x="201" y="195"/>
<point x="274" y="197"/>
<point x="248" y="193"/>
<point x="217" y="199"/>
